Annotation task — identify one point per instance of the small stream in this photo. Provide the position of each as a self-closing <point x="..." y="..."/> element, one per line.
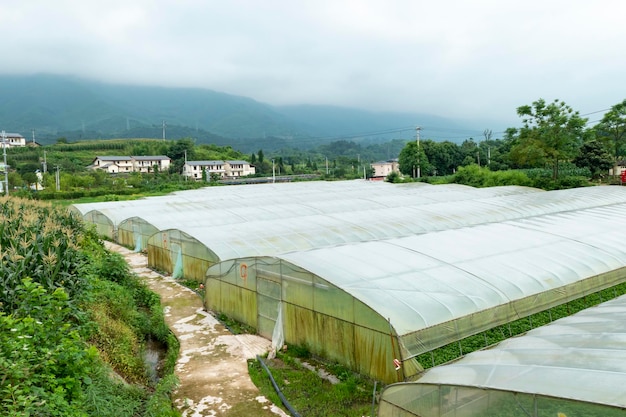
<point x="153" y="357"/>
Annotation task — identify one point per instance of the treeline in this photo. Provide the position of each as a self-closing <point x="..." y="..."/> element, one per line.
<point x="553" y="138"/>
<point x="553" y="148"/>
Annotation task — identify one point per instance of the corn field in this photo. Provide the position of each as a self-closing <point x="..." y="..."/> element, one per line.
<point x="60" y="334"/>
<point x="39" y="242"/>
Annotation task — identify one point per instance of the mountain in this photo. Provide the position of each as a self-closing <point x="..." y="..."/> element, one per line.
<point x="56" y="106"/>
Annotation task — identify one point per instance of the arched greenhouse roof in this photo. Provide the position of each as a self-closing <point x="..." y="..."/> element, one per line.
<point x="425" y="283"/>
<point x="238" y="204"/>
<point x="315" y="192"/>
<point x="292" y="232"/>
<point x="580" y="357"/>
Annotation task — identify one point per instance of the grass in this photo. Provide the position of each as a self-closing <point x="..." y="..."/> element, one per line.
<point x="308" y="393"/>
<point x="495" y="335"/>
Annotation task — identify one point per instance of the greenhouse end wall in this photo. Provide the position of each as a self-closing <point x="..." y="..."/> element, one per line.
<point x="328" y="321"/>
<point x="104" y="225"/>
<point x="135" y="233"/>
<point x="178" y="254"/>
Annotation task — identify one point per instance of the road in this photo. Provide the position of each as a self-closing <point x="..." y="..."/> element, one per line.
<point x="212" y="365"/>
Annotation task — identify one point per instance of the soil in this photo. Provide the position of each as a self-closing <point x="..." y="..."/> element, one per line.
<point x="212" y="365"/>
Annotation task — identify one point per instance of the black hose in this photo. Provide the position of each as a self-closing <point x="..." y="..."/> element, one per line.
<point x="293" y="412"/>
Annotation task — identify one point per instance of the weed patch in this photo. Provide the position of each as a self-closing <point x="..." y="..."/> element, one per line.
<point x="307" y="392"/>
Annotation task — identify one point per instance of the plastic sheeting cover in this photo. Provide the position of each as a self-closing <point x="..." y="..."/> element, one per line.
<point x="581" y="357"/>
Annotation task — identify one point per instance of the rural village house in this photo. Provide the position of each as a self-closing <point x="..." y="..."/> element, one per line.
<point x="384" y="168"/>
<point x="225" y="169"/>
<point x="12" y="140"/>
<point x="117" y="164"/>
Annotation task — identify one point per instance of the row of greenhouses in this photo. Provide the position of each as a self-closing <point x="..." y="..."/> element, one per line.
<point x="373" y="275"/>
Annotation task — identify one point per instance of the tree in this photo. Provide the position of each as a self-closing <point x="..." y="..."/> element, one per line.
<point x="551" y="131"/>
<point x="613" y="127"/>
<point x="593" y="155"/>
<point x="177" y="152"/>
<point x="444" y="157"/>
<point x="468" y="152"/>
<point x="214" y="177"/>
<point x="410" y="160"/>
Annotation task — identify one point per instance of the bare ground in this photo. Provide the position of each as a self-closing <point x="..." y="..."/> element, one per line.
<point x="212" y="365"/>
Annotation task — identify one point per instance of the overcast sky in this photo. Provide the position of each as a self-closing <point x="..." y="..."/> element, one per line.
<point x="478" y="59"/>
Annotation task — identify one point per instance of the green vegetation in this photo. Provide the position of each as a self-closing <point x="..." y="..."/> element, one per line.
<point x="308" y="393"/>
<point x="552" y="150"/>
<point x="490" y="337"/>
<point x="553" y="138"/>
<point x="520" y="405"/>
<point x="74" y="322"/>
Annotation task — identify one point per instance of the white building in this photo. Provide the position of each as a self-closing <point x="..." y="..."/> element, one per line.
<point x="225" y="169"/>
<point x="12" y="140"/>
<point x="117" y="164"/>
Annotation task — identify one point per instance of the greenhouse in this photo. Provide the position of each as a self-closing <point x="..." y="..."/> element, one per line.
<point x="192" y="245"/>
<point x="575" y="366"/>
<point x="149" y="214"/>
<point x="378" y="305"/>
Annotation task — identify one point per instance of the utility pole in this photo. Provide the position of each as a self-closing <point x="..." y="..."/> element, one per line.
<point x="164" y="125"/>
<point x="57" y="178"/>
<point x="185" y="166"/>
<point x="6" y="168"/>
<point x="487" y="134"/>
<point x="45" y="163"/>
<point x="273" y="172"/>
<point x="419" y="159"/>
<point x="326" y="165"/>
<point x="33" y="130"/>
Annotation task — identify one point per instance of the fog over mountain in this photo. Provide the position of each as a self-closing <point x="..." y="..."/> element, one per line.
<point x="76" y="108"/>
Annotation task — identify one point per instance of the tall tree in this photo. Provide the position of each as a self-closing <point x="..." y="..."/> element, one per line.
<point x="445" y="157"/>
<point x="593" y="155"/>
<point x="411" y="159"/>
<point x="177" y="152"/>
<point x="553" y="131"/>
<point x="613" y="127"/>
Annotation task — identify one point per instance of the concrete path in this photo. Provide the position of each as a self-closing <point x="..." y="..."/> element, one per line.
<point x="212" y="366"/>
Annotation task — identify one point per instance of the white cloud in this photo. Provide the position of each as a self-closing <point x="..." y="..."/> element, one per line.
<point x="478" y="59"/>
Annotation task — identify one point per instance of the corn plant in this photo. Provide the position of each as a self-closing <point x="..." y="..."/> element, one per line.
<point x="39" y="242"/>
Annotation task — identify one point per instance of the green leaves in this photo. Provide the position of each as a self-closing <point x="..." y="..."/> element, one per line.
<point x="552" y="132"/>
<point x="43" y="361"/>
<point x="40" y="242"/>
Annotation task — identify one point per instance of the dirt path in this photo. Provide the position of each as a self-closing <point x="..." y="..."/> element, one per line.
<point x="212" y="366"/>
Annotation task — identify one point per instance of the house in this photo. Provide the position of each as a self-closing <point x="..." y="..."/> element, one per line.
<point x="148" y="163"/>
<point x="123" y="164"/>
<point x="384" y="168"/>
<point x="225" y="169"/>
<point x="12" y="140"/>
<point x="195" y="169"/>
<point x="235" y="169"/>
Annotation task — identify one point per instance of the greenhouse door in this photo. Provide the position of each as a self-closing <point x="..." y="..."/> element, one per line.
<point x="268" y="301"/>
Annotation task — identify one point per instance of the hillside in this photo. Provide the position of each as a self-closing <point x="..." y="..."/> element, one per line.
<point x="63" y="106"/>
